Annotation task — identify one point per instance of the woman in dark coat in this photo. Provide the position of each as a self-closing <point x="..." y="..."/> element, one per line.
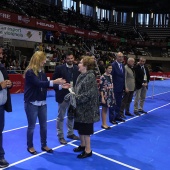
<point x="87" y="105"/>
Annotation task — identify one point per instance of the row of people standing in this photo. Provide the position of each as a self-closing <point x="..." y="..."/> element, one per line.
<point x="123" y="82"/>
<point x="68" y="75"/>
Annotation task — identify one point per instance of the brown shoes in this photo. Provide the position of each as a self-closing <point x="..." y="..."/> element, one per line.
<point x="62" y="141"/>
<point x="73" y="136"/>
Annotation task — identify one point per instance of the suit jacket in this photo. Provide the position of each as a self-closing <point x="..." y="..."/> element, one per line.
<point x="118" y="77"/>
<point x="129" y="78"/>
<point x="8" y="105"/>
<point x="62" y="72"/>
<point x="139" y="76"/>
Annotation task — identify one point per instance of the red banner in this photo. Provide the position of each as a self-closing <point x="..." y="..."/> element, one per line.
<point x="5" y="16"/>
<point x="18" y="83"/>
<point x="47" y="25"/>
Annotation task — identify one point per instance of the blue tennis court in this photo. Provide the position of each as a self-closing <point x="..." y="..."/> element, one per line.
<point x="141" y="142"/>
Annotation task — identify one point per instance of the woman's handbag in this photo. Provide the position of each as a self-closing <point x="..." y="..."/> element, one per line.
<point x="71" y="112"/>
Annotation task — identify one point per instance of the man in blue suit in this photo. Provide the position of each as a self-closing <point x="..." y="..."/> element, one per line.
<point x="118" y="75"/>
<point x="69" y="72"/>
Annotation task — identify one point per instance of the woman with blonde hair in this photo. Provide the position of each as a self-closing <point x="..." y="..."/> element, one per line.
<point x="87" y="105"/>
<point x="35" y="93"/>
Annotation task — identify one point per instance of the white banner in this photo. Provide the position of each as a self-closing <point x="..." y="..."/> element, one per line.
<point x="19" y="33"/>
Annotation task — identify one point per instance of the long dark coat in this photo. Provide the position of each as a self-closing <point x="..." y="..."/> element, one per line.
<point x="87" y="98"/>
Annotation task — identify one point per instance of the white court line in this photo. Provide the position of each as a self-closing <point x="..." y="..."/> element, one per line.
<point x="112" y="160"/>
<point x="27" y="126"/>
<point x="31" y="157"/>
<point x="155" y="95"/>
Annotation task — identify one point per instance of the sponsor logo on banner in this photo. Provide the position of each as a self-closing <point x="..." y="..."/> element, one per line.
<point x="23" y="19"/>
<point x="63" y="28"/>
<point x="105" y="36"/>
<point x="79" y="32"/>
<point x="5" y="16"/>
<point x="43" y="24"/>
<point x="93" y="34"/>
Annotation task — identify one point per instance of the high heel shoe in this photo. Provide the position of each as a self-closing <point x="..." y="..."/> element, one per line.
<point x="79" y="149"/>
<point x="32" y="152"/>
<point x="84" y="154"/>
<point x="49" y="150"/>
<point x="107" y="128"/>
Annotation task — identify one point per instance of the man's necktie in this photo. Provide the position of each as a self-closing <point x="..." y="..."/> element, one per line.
<point x="121" y="69"/>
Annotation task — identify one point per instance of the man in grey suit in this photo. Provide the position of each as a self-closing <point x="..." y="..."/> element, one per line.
<point x="129" y="88"/>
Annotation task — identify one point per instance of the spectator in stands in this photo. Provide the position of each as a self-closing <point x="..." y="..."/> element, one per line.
<point x="5" y="105"/>
<point x="118" y="76"/>
<point x="129" y="88"/>
<point x="11" y="70"/>
<point x="4" y="61"/>
<point x="101" y="67"/>
<point x="24" y="63"/>
<point x="142" y="78"/>
<point x="87" y="105"/>
<point x="69" y="72"/>
<point x="107" y="96"/>
<point x="35" y="93"/>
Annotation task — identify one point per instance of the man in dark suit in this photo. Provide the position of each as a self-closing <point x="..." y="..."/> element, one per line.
<point x="5" y="105"/>
<point x="118" y="75"/>
<point x="142" y="78"/>
<point x="69" y="72"/>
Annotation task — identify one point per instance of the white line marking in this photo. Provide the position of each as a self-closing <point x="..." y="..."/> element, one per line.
<point x="112" y="160"/>
<point x="27" y="126"/>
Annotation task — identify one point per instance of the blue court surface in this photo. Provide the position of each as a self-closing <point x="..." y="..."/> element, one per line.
<point x="142" y="142"/>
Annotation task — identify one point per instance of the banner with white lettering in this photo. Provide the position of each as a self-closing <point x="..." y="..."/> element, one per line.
<point x="11" y="32"/>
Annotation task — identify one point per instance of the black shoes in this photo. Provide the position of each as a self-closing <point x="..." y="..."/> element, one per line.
<point x="31" y="152"/>
<point x="136" y="113"/>
<point x="106" y="128"/>
<point x="73" y="136"/>
<point x="113" y="122"/>
<point x="47" y="150"/>
<point x="120" y="119"/>
<point x="84" y="154"/>
<point x="128" y="114"/>
<point x="62" y="141"/>
<point x="3" y="163"/>
<point x="79" y="149"/>
<point x="123" y="116"/>
<point x="142" y="111"/>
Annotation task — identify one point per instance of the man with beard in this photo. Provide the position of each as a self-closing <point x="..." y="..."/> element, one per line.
<point x="69" y="72"/>
<point x="5" y="105"/>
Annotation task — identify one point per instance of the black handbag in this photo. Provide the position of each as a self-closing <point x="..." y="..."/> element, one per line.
<point x="71" y="112"/>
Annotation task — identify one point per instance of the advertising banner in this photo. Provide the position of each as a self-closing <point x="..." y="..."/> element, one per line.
<point x="19" y="33"/>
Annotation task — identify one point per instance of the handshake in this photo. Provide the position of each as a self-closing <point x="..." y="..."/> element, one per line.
<point x="62" y="82"/>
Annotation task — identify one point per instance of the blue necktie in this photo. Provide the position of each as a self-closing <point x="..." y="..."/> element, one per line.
<point x="121" y="69"/>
